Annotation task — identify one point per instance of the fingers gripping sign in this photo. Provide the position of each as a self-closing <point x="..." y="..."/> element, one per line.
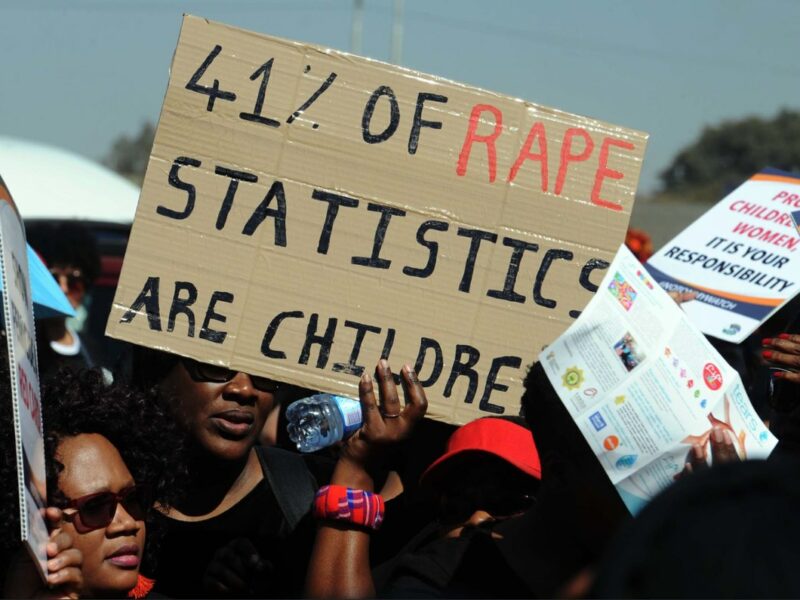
<point x="64" y="576"/>
<point x="784" y="351"/>
<point x="723" y="450"/>
<point x="390" y="401"/>
<point x="385" y="420"/>
<point x="64" y="562"/>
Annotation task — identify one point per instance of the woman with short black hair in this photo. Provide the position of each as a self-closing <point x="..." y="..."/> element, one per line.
<point x="111" y="454"/>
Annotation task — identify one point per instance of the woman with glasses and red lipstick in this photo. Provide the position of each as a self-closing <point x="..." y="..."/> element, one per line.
<point x="240" y="527"/>
<point x="111" y="454"/>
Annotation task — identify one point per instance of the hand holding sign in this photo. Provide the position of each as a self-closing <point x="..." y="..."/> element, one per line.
<point x="784" y="351"/>
<point x="64" y="576"/>
<point x="723" y="451"/>
<point x="387" y="421"/>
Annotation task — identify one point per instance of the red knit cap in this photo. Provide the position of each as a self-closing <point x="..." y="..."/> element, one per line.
<point x="504" y="439"/>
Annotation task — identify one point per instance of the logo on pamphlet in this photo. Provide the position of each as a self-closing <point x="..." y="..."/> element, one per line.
<point x="712" y="376"/>
<point x="627" y="461"/>
<point x="572" y="378"/>
<point x="611" y="443"/>
<point x="732" y="329"/>
<point x="619" y="400"/>
<point x="703" y="403"/>
<point x="597" y="421"/>
<point x="763" y="436"/>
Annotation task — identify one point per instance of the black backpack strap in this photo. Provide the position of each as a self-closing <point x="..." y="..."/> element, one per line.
<point x="292" y="484"/>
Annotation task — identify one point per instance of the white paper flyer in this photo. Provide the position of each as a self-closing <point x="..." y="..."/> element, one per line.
<point x="643" y="384"/>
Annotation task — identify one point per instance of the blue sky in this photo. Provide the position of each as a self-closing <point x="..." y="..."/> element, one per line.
<point x="78" y="73"/>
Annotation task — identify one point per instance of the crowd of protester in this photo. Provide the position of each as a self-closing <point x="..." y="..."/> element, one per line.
<point x="174" y="478"/>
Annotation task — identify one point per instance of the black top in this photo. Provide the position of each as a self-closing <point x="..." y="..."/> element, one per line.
<point x="431" y="566"/>
<point x="187" y="548"/>
<point x="577" y="510"/>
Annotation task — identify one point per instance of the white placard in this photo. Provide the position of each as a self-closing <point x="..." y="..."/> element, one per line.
<point x="741" y="257"/>
<point x="24" y="374"/>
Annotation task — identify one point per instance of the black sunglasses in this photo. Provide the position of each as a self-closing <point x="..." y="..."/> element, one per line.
<point x="95" y="511"/>
<point x="205" y="373"/>
<point x="74" y="278"/>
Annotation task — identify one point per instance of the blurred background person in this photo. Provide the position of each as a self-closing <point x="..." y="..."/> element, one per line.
<point x="70" y="252"/>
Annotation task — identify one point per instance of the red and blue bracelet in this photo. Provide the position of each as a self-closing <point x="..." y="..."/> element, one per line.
<point x="341" y="503"/>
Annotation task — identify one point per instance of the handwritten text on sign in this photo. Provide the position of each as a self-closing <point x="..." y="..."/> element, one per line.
<point x="307" y="211"/>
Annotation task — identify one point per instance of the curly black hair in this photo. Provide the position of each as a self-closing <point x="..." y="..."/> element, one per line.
<point x="133" y="421"/>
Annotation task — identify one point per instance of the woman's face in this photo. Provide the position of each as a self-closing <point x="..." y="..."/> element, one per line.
<point x="111" y="554"/>
<point x="224" y="419"/>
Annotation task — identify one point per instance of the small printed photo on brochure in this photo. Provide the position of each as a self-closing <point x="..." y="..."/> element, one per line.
<point x="628" y="351"/>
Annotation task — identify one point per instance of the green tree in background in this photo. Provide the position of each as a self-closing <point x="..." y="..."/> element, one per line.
<point x="727" y="154"/>
<point x="129" y="154"/>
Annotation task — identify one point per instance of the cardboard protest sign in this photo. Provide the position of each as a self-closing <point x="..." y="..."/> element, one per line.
<point x="306" y="211"/>
<point x="740" y="257"/>
<point x="24" y="374"/>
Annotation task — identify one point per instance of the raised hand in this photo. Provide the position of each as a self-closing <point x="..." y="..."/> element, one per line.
<point x="386" y="421"/>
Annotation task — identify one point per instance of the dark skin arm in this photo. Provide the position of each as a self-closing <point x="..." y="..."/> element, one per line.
<point x="339" y="566"/>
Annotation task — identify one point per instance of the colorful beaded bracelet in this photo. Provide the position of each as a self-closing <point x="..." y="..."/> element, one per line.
<point x="342" y="503"/>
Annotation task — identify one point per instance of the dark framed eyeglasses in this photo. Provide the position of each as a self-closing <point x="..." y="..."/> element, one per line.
<point x="95" y="511"/>
<point x="74" y="278"/>
<point x="205" y="373"/>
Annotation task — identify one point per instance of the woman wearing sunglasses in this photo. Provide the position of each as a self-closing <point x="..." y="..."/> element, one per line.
<point x="233" y="533"/>
<point x="111" y="454"/>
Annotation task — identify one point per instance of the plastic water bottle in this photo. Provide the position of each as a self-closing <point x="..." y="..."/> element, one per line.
<point x="322" y="420"/>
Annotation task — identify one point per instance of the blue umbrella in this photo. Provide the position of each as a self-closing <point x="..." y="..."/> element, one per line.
<point x="48" y="298"/>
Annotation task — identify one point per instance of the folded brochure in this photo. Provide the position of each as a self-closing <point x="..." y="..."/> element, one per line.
<point x="643" y="384"/>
